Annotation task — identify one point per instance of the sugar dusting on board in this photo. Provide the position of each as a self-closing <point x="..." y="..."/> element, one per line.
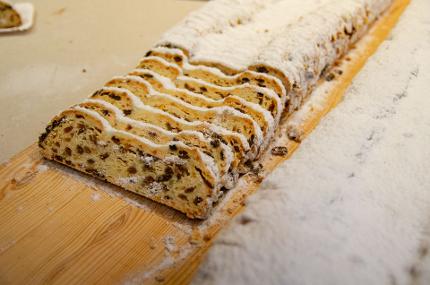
<point x="95" y="197"/>
<point x="355" y="193"/>
<point x="111" y="190"/>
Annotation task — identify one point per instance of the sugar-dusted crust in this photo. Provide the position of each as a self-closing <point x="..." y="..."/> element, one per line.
<point x="201" y="106"/>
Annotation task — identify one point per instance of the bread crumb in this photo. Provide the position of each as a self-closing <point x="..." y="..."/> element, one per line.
<point x="169" y="243"/>
<point x="95" y="197"/>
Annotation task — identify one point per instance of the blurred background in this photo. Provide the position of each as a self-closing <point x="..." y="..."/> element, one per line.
<point x="73" y="48"/>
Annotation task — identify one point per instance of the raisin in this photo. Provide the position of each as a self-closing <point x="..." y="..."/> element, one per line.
<point x="245" y="220"/>
<point x="182" y="170"/>
<point x="324" y="70"/>
<point x="262" y="69"/>
<point x="203" y="89"/>
<point x="79" y="149"/>
<point x="183" y="197"/>
<point x="272" y="107"/>
<point x="68" y="129"/>
<point x="183" y="154"/>
<point x="215" y="143"/>
<point x="132" y="170"/>
<point x="48" y="129"/>
<point x="166" y="176"/>
<point x="105" y="112"/>
<point x="168" y="126"/>
<point x="68" y="151"/>
<point x="116" y="140"/>
<point x="81" y="128"/>
<point x="127" y="112"/>
<point x="330" y="77"/>
<point x="79" y="117"/>
<point x="104" y="156"/>
<point x="148" y="53"/>
<point x="110" y="95"/>
<point x="177" y="58"/>
<point x="148" y="180"/>
<point x="245" y="80"/>
<point x="93" y="138"/>
<point x="190" y="189"/>
<point x="279" y="151"/>
<point x="173" y="147"/>
<point x="90" y="161"/>
<point x="197" y="200"/>
<point x="129" y="127"/>
<point x="59" y="158"/>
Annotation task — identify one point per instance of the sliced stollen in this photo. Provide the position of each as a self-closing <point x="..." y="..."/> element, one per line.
<point x="214" y="75"/>
<point x="220" y="152"/>
<point x="150" y="115"/>
<point x="260" y="115"/>
<point x="301" y="53"/>
<point x="225" y="117"/>
<point x="298" y="39"/>
<point x="177" y="175"/>
<point x="203" y="104"/>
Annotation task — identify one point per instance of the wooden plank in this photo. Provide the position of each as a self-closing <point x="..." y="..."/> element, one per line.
<point x="58" y="226"/>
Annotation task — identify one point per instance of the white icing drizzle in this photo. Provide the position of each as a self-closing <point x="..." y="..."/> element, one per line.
<point x="167" y="84"/>
<point x="213" y="70"/>
<point x="162" y="61"/>
<point x="214" y="128"/>
<point x="120" y="117"/>
<point x="220" y="74"/>
<point x="209" y="163"/>
<point x="267" y="91"/>
<point x="220" y="111"/>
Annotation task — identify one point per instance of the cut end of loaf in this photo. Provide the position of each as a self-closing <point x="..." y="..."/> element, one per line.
<point x="168" y="176"/>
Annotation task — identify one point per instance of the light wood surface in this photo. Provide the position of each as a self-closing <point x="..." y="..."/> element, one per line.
<point x="58" y="226"/>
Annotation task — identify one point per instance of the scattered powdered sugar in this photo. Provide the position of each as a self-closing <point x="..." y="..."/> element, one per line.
<point x="139" y="278"/>
<point x="128" y="180"/>
<point x="96" y="196"/>
<point x="185" y="228"/>
<point x="6" y="246"/>
<point x="98" y="185"/>
<point x="169" y="243"/>
<point x="174" y="160"/>
<point x="42" y="168"/>
<point x="352" y="204"/>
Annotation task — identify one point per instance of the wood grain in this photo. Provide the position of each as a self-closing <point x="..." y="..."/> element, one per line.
<point x="58" y="226"/>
